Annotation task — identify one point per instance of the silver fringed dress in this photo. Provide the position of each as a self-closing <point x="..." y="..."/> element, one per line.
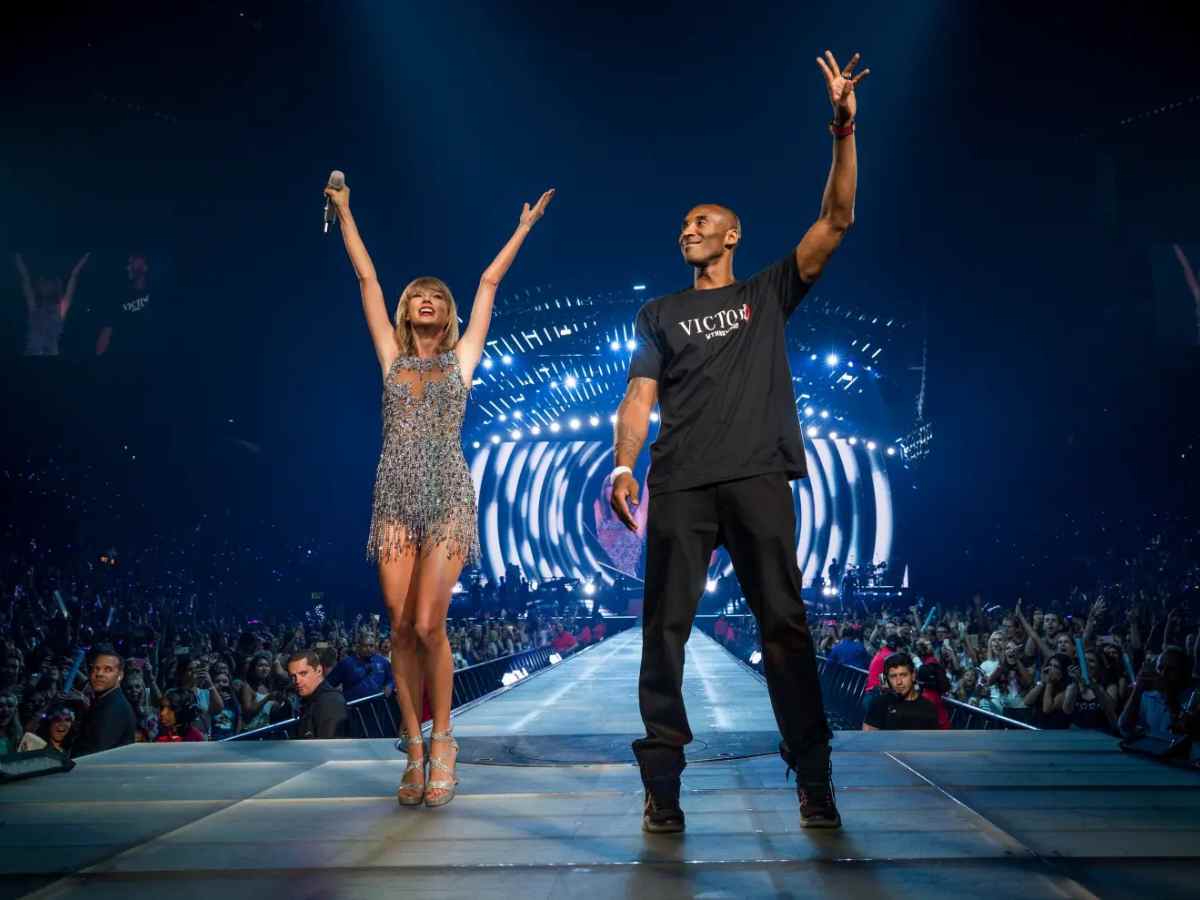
<point x="424" y="497"/>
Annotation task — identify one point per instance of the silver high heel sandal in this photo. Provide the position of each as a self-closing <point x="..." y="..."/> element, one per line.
<point x="412" y="794"/>
<point x="446" y="785"/>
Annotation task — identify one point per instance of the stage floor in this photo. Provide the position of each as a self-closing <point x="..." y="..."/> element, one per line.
<point x="997" y="814"/>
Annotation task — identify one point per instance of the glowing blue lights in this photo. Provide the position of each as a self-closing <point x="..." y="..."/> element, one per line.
<point x="808" y="411"/>
<point x="487" y="362"/>
<point x="535" y="430"/>
<point x="871" y="445"/>
<point x="891" y="451"/>
<point x="831" y="360"/>
<point x="515" y="434"/>
<point x="555" y="428"/>
<point x="853" y="440"/>
<point x="575" y="424"/>
<point x="517" y="414"/>
<point x="639" y="287"/>
<point x="506" y="359"/>
<point x="653" y="417"/>
<point x="824" y="414"/>
<point x="569" y="382"/>
<point x="614" y="346"/>
<point x="502" y="417"/>
<point x="631" y="345"/>
<point x="593" y="421"/>
<point x="613" y="418"/>
<point x="495" y="438"/>
<point x="813" y="431"/>
<point x="833" y="435"/>
<point x="711" y="585"/>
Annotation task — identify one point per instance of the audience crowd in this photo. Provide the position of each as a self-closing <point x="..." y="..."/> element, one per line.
<point x="1120" y="654"/>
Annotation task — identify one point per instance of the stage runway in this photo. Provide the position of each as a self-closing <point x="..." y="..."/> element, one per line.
<point x="996" y="814"/>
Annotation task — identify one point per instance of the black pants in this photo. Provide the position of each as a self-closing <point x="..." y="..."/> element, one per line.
<point x="755" y="520"/>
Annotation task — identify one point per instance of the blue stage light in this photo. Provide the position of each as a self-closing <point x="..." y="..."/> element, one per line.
<point x="631" y="345"/>
<point x="831" y="359"/>
<point x="813" y="431"/>
<point x="506" y="359"/>
<point x="824" y="414"/>
<point x="593" y="421"/>
<point x="808" y="410"/>
<point x="517" y="414"/>
<point x="871" y="445"/>
<point x="487" y="363"/>
<point x="575" y="424"/>
<point x="614" y="345"/>
<point x="495" y="438"/>
<point x="569" y="382"/>
<point x="555" y="428"/>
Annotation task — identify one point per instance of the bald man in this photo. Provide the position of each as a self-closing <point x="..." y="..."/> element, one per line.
<point x="714" y="359"/>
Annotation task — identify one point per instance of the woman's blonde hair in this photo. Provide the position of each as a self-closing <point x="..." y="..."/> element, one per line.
<point x="404" y="333"/>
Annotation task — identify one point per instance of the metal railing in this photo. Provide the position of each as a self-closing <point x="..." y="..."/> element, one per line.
<point x="378" y="715"/>
<point x="843" y="687"/>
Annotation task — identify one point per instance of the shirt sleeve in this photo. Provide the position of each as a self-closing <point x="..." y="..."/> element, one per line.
<point x="781" y="283"/>
<point x="647" y="360"/>
<point x="876" y="714"/>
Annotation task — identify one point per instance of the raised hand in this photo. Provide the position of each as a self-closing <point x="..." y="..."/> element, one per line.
<point x="841" y="83"/>
<point x="530" y="215"/>
<point x="339" y="197"/>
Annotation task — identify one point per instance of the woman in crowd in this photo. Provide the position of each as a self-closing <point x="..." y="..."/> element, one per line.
<point x="193" y="675"/>
<point x="1047" y="696"/>
<point x="177" y="716"/>
<point x="58" y="729"/>
<point x="11" y="731"/>
<point x="967" y="688"/>
<point x="256" y="695"/>
<point x="423" y="527"/>
<point x="145" y="721"/>
<point x="228" y="721"/>
<point x="1088" y="704"/>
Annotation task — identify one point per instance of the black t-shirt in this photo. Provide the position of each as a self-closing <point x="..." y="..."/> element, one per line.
<point x="131" y="316"/>
<point x="724" y="385"/>
<point x="891" y="712"/>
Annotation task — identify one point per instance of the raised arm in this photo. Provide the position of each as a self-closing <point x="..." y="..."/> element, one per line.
<point x="26" y="281"/>
<point x="1033" y="636"/>
<point x="837" y="203"/>
<point x="383" y="334"/>
<point x="470" y="346"/>
<point x="64" y="304"/>
<point x="629" y="433"/>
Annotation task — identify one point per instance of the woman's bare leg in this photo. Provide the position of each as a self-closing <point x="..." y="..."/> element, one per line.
<point x="435" y="576"/>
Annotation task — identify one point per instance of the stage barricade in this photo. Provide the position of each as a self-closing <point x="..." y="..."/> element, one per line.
<point x="378" y="716"/>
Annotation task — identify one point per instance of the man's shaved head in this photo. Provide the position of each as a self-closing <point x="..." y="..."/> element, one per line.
<point x="705" y="233"/>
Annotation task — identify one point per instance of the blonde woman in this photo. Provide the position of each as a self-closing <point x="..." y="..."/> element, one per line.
<point x="423" y="526"/>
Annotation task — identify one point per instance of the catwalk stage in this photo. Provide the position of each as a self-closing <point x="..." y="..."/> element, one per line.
<point x="550" y="807"/>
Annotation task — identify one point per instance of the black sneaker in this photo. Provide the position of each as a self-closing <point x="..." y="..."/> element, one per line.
<point x="817" y="806"/>
<point x="661" y="814"/>
<point x="814" y="786"/>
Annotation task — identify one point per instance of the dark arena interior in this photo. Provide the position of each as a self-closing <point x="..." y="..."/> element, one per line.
<point x="875" y="452"/>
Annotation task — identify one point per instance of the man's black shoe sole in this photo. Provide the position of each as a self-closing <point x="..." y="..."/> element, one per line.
<point x="661" y="828"/>
<point x="821" y="823"/>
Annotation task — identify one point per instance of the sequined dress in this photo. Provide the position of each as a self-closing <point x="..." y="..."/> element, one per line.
<point x="424" y="496"/>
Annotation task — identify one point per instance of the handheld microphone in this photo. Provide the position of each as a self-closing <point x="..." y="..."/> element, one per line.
<point x="337" y="181"/>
